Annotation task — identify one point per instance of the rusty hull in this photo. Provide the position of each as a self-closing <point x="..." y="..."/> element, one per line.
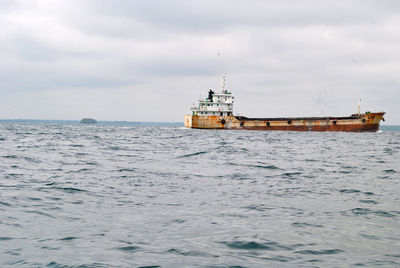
<point x="368" y="122"/>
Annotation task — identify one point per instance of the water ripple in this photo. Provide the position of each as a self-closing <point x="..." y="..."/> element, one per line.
<point x="320" y="252"/>
<point x="137" y="196"/>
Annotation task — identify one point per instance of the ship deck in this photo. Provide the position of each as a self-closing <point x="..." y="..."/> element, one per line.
<point x="243" y="118"/>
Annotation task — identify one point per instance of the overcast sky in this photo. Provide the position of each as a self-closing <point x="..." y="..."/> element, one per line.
<point x="150" y="60"/>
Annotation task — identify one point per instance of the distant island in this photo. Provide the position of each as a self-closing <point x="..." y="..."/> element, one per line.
<point x="88" y="121"/>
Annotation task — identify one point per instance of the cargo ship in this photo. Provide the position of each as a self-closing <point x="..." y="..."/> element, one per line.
<point x="216" y="112"/>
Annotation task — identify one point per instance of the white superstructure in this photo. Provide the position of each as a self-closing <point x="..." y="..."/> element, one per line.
<point x="217" y="104"/>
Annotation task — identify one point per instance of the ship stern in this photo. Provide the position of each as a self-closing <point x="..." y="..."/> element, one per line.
<point x="188" y="121"/>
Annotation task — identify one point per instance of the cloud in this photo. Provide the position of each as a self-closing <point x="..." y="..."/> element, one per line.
<point x="282" y="58"/>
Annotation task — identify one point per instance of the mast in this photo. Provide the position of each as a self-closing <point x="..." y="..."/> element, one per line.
<point x="223" y="83"/>
<point x="359" y="106"/>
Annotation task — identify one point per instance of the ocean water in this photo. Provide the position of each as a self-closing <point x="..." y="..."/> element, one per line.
<point x="155" y="196"/>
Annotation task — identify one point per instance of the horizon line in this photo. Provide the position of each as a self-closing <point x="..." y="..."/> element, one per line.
<point x="98" y="121"/>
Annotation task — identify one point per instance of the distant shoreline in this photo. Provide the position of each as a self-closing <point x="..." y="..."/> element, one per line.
<point x="77" y="122"/>
<point x="389" y="127"/>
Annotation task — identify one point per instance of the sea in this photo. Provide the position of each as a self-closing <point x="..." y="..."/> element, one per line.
<point x="120" y="195"/>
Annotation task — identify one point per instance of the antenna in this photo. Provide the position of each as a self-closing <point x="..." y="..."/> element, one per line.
<point x="223" y="82"/>
<point x="359" y="106"/>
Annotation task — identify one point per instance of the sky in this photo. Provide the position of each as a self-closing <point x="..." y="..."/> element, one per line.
<point x="151" y="60"/>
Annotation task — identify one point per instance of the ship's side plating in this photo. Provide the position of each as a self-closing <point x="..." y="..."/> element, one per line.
<point x="354" y="123"/>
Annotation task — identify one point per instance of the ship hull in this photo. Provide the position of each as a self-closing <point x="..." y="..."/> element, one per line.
<point x="356" y="123"/>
